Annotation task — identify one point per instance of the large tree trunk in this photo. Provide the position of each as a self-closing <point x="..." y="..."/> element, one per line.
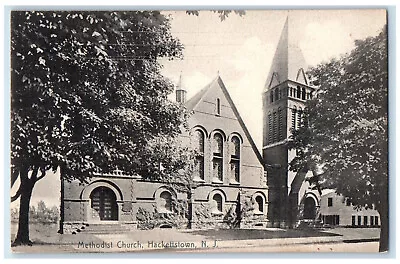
<point x="22" y="237"/>
<point x="384" y="235"/>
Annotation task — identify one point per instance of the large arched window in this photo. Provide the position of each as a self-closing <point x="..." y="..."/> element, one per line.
<point x="235" y="159"/>
<point x="199" y="163"/>
<point x="217" y="203"/>
<point x="165" y="201"/>
<point x="259" y="204"/>
<point x="218" y="151"/>
<point x="298" y="92"/>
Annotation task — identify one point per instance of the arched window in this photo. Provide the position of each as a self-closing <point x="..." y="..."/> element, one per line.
<point x="311" y="95"/>
<point x="218" y="107"/>
<point x="260" y="204"/>
<point x="298" y="92"/>
<point x="271" y="96"/>
<point x="218" y="151"/>
<point x="235" y="159"/>
<point x="165" y="201"/>
<point x="217" y="203"/>
<point x="277" y="94"/>
<point x="199" y="163"/>
<point x="303" y="93"/>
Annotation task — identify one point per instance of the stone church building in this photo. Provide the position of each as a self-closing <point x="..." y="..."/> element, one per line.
<point x="236" y="185"/>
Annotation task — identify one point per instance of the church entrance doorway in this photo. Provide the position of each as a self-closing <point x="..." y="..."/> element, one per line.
<point x="309" y="209"/>
<point x="104" y="204"/>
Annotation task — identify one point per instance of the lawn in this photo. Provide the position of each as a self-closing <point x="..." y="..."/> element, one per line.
<point x="243" y="234"/>
<point x="46" y="234"/>
<point x="40" y="233"/>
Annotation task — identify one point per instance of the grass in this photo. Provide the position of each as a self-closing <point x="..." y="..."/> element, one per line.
<point x="243" y="234"/>
<point x="47" y="234"/>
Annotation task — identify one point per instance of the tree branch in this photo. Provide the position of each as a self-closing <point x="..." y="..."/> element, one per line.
<point x="14" y="176"/>
<point x="43" y="173"/>
<point x="34" y="175"/>
<point x="17" y="194"/>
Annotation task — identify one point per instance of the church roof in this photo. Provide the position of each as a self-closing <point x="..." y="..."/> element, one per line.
<point x="288" y="62"/>
<point x="198" y="97"/>
<point x="192" y="102"/>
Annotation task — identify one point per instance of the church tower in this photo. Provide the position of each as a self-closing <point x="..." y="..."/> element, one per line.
<point x="285" y="93"/>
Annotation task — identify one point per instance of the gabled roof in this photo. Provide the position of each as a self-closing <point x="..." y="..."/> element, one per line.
<point x="192" y="102"/>
<point x="288" y="62"/>
<point x="197" y="98"/>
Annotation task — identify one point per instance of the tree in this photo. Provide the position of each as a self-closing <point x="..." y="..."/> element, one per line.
<point x="222" y="14"/>
<point x="87" y="95"/>
<point x="344" y="132"/>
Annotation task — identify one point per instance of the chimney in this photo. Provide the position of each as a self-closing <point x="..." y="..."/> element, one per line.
<point x="180" y="91"/>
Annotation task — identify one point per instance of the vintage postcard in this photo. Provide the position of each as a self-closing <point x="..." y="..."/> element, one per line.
<point x="199" y="131"/>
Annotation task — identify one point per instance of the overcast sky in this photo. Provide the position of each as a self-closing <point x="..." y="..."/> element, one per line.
<point x="241" y="50"/>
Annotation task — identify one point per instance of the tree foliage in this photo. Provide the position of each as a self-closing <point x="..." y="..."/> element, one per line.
<point x="222" y="14"/>
<point x="87" y="89"/>
<point x="87" y="95"/>
<point x="344" y="132"/>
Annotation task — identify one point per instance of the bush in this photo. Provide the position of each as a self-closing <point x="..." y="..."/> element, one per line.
<point x="38" y="214"/>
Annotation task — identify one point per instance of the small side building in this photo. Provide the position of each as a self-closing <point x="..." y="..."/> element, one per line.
<point x="337" y="210"/>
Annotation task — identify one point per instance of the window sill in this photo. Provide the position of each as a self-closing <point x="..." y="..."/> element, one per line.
<point x="258" y="213"/>
<point x="216" y="213"/>
<point x="165" y="212"/>
<point x="197" y="179"/>
<point x="218" y="181"/>
<point x="233" y="182"/>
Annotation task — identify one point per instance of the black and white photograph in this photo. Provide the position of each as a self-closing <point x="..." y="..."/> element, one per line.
<point x="198" y="131"/>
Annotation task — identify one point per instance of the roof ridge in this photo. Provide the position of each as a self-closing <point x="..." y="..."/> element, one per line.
<point x="195" y="99"/>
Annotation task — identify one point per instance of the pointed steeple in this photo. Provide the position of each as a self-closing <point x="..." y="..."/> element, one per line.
<point x="288" y="62"/>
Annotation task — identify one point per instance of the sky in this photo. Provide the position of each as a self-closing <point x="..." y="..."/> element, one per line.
<point x="240" y="49"/>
